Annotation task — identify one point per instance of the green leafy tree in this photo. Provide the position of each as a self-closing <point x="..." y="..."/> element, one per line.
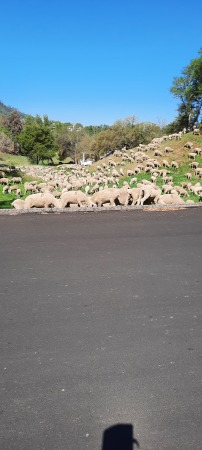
<point x="92" y="130"/>
<point x="188" y="89"/>
<point x="124" y="133"/>
<point x="37" y="139"/>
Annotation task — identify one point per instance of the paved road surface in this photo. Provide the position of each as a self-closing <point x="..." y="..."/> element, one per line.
<point x="101" y="325"/>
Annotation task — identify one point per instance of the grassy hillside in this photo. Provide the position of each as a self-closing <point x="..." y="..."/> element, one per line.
<point x="179" y="154"/>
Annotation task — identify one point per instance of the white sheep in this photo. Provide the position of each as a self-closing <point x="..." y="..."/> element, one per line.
<point x="4" y="180"/>
<point x="192" y="155"/>
<point x="133" y="181"/>
<point x="124" y="196"/>
<point x="76" y="198"/>
<point x="40" y="200"/>
<point x="135" y="194"/>
<point x="174" y="165"/>
<point x="109" y="195"/>
<point x="167" y="188"/>
<point x="147" y="192"/>
<point x="194" y="164"/>
<point x="197" y="150"/>
<point x="130" y="173"/>
<point x="18" y="204"/>
<point x="170" y="199"/>
<point x="165" y="163"/>
<point x="13" y="188"/>
<point x="16" y="180"/>
<point x="5" y="189"/>
<point x="188" y="175"/>
<point x="189" y="145"/>
<point x="196" y="131"/>
<point x="168" y="150"/>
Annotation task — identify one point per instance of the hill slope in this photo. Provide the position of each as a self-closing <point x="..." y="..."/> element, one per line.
<point x="6" y="110"/>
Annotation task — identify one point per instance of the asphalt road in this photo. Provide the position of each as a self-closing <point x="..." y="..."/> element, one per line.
<point x="100" y="326"/>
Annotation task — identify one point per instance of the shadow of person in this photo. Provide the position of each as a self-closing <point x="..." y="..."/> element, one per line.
<point x="119" y="437"/>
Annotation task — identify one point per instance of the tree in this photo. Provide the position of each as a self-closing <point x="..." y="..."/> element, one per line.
<point x="72" y="141"/>
<point x="6" y="144"/>
<point x="37" y="139"/>
<point x="124" y="133"/>
<point x="188" y="89"/>
<point x="13" y="123"/>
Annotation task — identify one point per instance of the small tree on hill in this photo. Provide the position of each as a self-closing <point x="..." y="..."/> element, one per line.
<point x="37" y="139"/>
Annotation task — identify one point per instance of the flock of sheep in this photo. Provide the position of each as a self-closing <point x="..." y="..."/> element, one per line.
<point x="80" y="187"/>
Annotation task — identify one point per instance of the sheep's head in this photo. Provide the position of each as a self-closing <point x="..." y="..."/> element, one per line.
<point x="18" y="204"/>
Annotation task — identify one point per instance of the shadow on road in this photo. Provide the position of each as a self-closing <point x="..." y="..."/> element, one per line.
<point x="119" y="437"/>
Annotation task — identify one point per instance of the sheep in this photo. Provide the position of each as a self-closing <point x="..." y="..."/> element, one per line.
<point x="123" y="197"/>
<point x="198" y="172"/>
<point x="188" y="175"/>
<point x="76" y="198"/>
<point x="4" y="180"/>
<point x="125" y="183"/>
<point x="177" y="136"/>
<point x="192" y="155"/>
<point x="168" y="150"/>
<point x="196" y="189"/>
<point x="157" y="153"/>
<point x="167" y="188"/>
<point x="184" y="184"/>
<point x="153" y="179"/>
<point x="163" y="173"/>
<point x="105" y="196"/>
<point x="197" y="150"/>
<point x="174" y="165"/>
<point x="181" y="191"/>
<point x="5" y="189"/>
<point x="170" y="199"/>
<point x="130" y="173"/>
<point x="165" y="163"/>
<point x="136" y="170"/>
<point x="18" y="192"/>
<point x="112" y="163"/>
<point x="40" y="200"/>
<point x="115" y="173"/>
<point x="30" y="187"/>
<point x="148" y="192"/>
<point x="2" y="174"/>
<point x="189" y="145"/>
<point x="13" y="188"/>
<point x="196" y="131"/>
<point x="135" y="194"/>
<point x="194" y="165"/>
<point x="18" y="204"/>
<point x="16" y="180"/>
<point x="156" y="164"/>
<point x="133" y="181"/>
<point x="168" y="180"/>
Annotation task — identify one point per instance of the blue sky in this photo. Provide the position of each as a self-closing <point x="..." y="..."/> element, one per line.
<point x="96" y="62"/>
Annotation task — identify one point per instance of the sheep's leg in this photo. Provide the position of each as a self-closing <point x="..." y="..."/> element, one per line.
<point x="144" y="198"/>
<point x="156" y="199"/>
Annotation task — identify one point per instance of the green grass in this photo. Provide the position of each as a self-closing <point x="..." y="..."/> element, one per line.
<point x="14" y="160"/>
